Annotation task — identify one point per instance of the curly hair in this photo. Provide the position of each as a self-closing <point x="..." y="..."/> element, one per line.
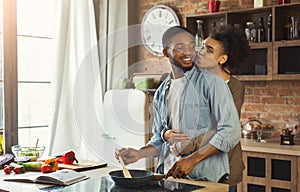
<point x="235" y="46"/>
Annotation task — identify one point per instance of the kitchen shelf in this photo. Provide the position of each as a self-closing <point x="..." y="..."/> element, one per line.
<point x="275" y="60"/>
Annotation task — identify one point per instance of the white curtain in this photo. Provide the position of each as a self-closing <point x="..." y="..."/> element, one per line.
<point x="113" y="42"/>
<point x="83" y="66"/>
<point x="77" y="113"/>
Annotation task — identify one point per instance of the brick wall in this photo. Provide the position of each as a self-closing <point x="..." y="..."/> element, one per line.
<point x="275" y="100"/>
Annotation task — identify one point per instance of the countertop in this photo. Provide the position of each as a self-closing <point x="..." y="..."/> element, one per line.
<point x="97" y="173"/>
<point x="271" y="146"/>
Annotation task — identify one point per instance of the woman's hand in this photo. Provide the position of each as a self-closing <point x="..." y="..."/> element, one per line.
<point x="181" y="168"/>
<point x="173" y="136"/>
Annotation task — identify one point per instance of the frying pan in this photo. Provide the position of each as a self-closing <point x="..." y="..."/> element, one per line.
<point x="139" y="178"/>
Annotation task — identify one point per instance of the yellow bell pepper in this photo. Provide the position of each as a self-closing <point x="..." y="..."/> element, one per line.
<point x="52" y="162"/>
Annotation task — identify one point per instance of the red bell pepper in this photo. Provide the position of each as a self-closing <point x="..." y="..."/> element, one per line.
<point x="46" y="168"/>
<point x="67" y="158"/>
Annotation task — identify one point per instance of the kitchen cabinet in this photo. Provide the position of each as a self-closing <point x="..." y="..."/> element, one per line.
<point x="270" y="167"/>
<point x="274" y="60"/>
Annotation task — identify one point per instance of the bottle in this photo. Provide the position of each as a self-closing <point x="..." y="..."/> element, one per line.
<point x="213" y="27"/>
<point x="1" y="142"/>
<point x="253" y="33"/>
<point x="269" y="29"/>
<point x="261" y="31"/>
<point x="198" y="35"/>
<point x="248" y="30"/>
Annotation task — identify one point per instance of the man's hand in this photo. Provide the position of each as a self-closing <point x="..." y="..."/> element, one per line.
<point x="181" y="168"/>
<point x="129" y="155"/>
<point x="173" y="136"/>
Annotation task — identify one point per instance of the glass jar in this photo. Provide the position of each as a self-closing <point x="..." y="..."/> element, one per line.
<point x="250" y="31"/>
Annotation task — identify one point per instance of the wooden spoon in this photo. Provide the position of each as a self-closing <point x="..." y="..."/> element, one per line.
<point x="125" y="170"/>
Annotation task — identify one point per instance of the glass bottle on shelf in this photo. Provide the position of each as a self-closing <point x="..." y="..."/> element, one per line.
<point x="213" y="27"/>
<point x="253" y="33"/>
<point x="261" y="31"/>
<point x="222" y="21"/>
<point x="250" y="31"/>
<point x="198" y="35"/>
<point x="295" y="34"/>
<point x="269" y="29"/>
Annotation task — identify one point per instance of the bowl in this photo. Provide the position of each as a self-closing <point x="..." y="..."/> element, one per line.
<point x="32" y="153"/>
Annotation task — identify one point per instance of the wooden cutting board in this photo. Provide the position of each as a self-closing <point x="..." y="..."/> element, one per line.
<point x="82" y="165"/>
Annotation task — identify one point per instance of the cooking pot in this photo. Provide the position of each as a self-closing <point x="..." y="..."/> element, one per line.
<point x="139" y="178"/>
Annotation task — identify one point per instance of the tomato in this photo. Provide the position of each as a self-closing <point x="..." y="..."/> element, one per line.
<point x="17" y="170"/>
<point x="6" y="166"/>
<point x="7" y="170"/>
<point x="46" y="168"/>
<point x="53" y="163"/>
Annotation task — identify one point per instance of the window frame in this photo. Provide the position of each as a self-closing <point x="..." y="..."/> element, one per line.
<point x="10" y="75"/>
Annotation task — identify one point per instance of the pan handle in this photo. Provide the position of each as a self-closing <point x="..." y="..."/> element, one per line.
<point x="159" y="176"/>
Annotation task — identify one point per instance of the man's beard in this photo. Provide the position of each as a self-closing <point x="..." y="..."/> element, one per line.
<point x="184" y="69"/>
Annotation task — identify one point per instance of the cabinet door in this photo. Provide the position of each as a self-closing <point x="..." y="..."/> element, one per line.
<point x="269" y="172"/>
<point x="286" y="60"/>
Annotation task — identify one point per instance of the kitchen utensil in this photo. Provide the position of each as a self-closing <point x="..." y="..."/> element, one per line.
<point x="125" y="170"/>
<point x="37" y="142"/>
<point x="139" y="178"/>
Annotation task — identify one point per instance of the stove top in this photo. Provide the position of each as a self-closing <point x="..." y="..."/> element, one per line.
<point x="105" y="184"/>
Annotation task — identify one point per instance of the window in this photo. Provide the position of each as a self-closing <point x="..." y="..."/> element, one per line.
<point x="35" y="61"/>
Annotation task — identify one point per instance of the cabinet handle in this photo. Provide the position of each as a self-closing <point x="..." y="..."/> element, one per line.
<point x="107" y="136"/>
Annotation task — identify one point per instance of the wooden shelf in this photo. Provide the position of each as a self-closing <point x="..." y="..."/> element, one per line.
<point x="273" y="58"/>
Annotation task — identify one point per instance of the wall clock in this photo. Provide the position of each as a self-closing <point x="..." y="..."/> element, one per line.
<point x="155" y="22"/>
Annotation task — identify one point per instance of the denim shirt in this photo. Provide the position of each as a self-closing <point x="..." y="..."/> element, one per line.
<point x="206" y="104"/>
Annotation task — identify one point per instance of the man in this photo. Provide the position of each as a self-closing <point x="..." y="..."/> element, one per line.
<point x="194" y="102"/>
<point x="223" y="52"/>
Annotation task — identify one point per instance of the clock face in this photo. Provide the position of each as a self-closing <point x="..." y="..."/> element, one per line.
<point x="155" y="22"/>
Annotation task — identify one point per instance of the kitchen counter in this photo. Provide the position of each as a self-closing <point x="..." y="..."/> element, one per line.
<point x="97" y="173"/>
<point x="271" y="146"/>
